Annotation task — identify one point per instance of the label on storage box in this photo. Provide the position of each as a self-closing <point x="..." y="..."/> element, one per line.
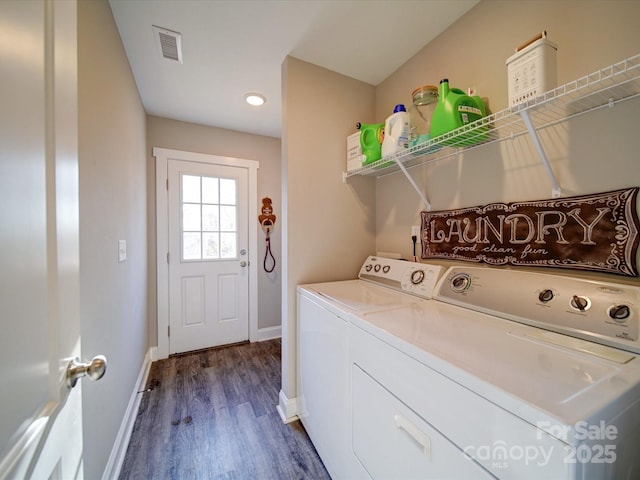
<point x="354" y="152"/>
<point x="532" y="71"/>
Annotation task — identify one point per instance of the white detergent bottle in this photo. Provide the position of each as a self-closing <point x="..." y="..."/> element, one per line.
<point x="396" y="131"/>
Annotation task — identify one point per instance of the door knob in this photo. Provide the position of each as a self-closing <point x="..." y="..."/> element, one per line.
<point x="94" y="369"/>
<point x="243" y="263"/>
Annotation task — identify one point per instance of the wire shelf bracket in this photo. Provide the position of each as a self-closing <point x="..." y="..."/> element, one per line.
<point x="556" y="191"/>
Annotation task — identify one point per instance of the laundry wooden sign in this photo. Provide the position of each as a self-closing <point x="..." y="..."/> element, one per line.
<point x="591" y="232"/>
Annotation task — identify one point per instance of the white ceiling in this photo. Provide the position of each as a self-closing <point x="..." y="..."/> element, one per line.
<point x="231" y="47"/>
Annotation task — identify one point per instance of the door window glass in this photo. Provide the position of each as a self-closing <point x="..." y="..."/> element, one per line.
<point x="209" y="217"/>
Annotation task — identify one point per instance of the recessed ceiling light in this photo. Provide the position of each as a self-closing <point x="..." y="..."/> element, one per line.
<point x="255" y="99"/>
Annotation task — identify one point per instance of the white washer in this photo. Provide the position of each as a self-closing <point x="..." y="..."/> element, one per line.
<point x="505" y="374"/>
<point x="323" y="382"/>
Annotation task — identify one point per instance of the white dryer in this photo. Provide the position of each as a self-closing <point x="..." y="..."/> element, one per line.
<point x="504" y="374"/>
<point x="323" y="379"/>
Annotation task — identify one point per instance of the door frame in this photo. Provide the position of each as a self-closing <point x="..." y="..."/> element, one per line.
<point x="162" y="156"/>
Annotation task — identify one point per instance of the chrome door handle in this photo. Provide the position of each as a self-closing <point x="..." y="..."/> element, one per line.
<point x="243" y="263"/>
<point x="95" y="369"/>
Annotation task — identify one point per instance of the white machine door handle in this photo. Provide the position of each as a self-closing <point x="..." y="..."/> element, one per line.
<point x="95" y="369"/>
<point x="414" y="432"/>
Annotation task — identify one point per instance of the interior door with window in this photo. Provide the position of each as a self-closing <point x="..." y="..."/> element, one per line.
<point x="208" y="261"/>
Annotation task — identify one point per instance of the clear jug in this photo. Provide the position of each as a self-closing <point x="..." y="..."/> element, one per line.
<point x="424" y="103"/>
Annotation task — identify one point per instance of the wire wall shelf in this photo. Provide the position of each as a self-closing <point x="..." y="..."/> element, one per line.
<point x="603" y="88"/>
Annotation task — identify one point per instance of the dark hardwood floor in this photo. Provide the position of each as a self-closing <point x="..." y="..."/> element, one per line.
<point x="211" y="415"/>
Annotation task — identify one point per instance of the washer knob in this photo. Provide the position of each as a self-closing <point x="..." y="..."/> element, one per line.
<point x="460" y="282"/>
<point x="546" y="295"/>
<point x="620" y="313"/>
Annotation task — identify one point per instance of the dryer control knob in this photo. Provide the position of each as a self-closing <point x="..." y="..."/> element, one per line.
<point x="417" y="276"/>
<point x="580" y="303"/>
<point x="620" y="313"/>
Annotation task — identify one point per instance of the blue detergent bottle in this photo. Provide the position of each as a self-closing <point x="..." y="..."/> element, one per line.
<point x="396" y="131"/>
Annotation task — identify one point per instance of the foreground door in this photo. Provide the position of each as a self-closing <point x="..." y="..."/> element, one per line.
<point x="40" y="418"/>
<point x="208" y="261"/>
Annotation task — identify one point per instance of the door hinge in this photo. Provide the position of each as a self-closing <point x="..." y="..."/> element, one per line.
<point x="169" y="331"/>
<point x="167" y="182"/>
<point x="167" y="258"/>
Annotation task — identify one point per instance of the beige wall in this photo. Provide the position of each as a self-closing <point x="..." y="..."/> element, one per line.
<point x="589" y="154"/>
<point x="328" y="225"/>
<point x="593" y="153"/>
<point x="113" y="207"/>
<point x="177" y="135"/>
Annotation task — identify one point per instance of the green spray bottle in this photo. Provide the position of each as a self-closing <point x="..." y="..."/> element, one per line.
<point x="371" y="137"/>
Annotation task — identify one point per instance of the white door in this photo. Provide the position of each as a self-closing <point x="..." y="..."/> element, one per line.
<point x="208" y="261"/>
<point x="40" y="417"/>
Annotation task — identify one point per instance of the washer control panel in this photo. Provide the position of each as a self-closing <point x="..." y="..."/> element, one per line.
<point x="417" y="279"/>
<point x="603" y="312"/>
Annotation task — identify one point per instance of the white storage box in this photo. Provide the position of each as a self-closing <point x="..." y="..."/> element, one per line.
<point x="354" y="152"/>
<point x="532" y="71"/>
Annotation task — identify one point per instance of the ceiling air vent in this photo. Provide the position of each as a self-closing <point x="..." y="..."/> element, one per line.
<point x="170" y="43"/>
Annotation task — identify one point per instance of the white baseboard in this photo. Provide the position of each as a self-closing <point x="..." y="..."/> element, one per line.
<point x="287" y="408"/>
<point x="119" y="450"/>
<point x="269" y="333"/>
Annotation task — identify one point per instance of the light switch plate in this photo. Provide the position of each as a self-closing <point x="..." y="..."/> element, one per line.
<point x="122" y="251"/>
